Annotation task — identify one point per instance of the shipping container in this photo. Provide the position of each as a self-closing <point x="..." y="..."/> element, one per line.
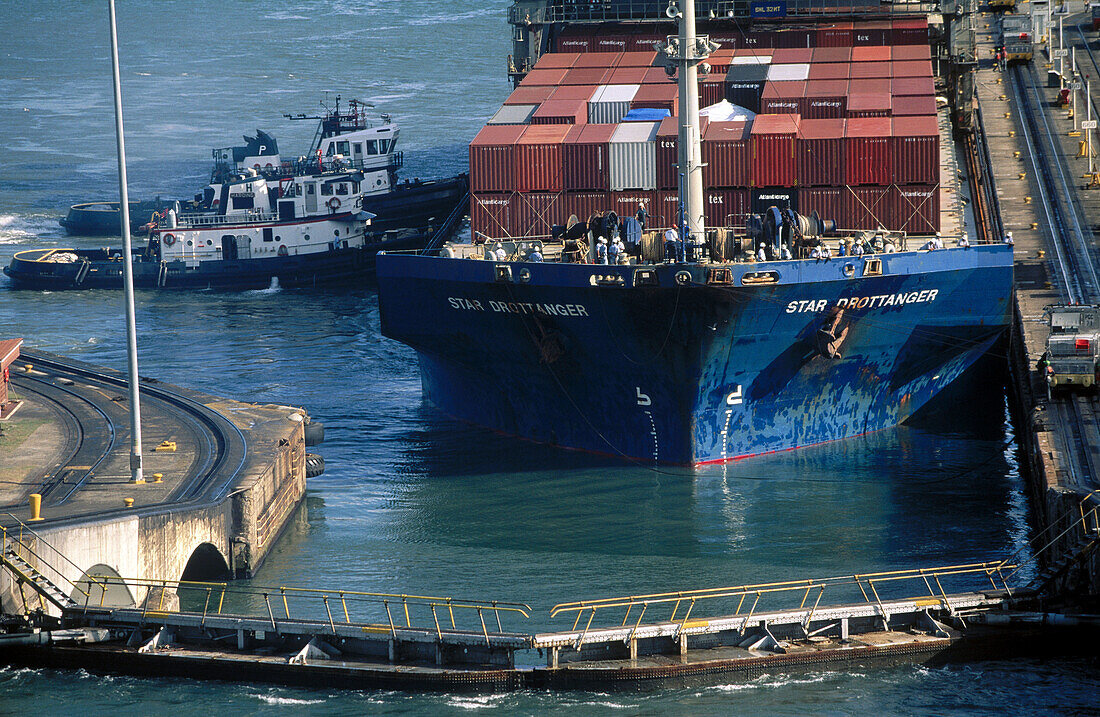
<point x="585" y="161"/>
<point x="751" y="57"/>
<point x="492" y="158"/>
<point x="915" y="154"/>
<point x="911" y="52"/>
<point x="642" y="43"/>
<point x="871" y="53"/>
<point x="791" y="56"/>
<point x="664" y="97"/>
<point x="869" y="70"/>
<point x="772" y="150"/>
<point x="611" y="43"/>
<point x="876" y="32"/>
<point x="916" y="209"/>
<point x="911" y="32"/>
<point x="581" y="205"/>
<point x="605" y="59"/>
<point x="826" y="99"/>
<point x="575" y="42"/>
<point x="783" y="98"/>
<point x="838" y="34"/>
<point x="911" y="68"/>
<point x="628" y="75"/>
<point x="745" y="84"/>
<point x="609" y="103"/>
<point x="529" y="95"/>
<point x="491" y="215"/>
<point x="763" y="198"/>
<point x="831" y="55"/>
<point x="862" y="106"/>
<point x="868" y="208"/>
<point x="513" y="114"/>
<point x="556" y="61"/>
<point x="656" y="76"/>
<point x="910" y="106"/>
<point x="668" y="143"/>
<point x="873" y="86"/>
<point x="867" y="151"/>
<point x="820" y="149"/>
<point x="534" y="213"/>
<point x="550" y="78"/>
<point x="727" y="155"/>
<point x="794" y="39"/>
<point x="725" y="207"/>
<point x="828" y="202"/>
<point x="625" y="204"/>
<point x="638" y="59"/>
<point x="573" y="92"/>
<point x="633" y="156"/>
<point x="712" y="89"/>
<point x="561" y="112"/>
<point x="586" y="76"/>
<point x="830" y="71"/>
<point x="665" y="210"/>
<point x="788" y="73"/>
<point x="912" y="86"/>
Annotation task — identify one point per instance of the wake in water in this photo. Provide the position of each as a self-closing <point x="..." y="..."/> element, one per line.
<point x="18" y="228"/>
<point x="273" y="288"/>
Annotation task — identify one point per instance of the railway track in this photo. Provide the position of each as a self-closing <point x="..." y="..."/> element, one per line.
<point x="220" y="447"/>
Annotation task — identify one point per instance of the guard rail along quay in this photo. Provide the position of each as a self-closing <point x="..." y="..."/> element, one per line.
<point x="343" y="638"/>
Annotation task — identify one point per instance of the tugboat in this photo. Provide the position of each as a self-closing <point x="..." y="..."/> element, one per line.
<point x="345" y="139"/>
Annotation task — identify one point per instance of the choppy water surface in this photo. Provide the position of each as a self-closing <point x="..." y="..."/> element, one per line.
<point x="411" y="501"/>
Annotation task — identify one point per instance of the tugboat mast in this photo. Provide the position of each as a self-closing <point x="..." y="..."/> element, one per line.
<point x="685" y="53"/>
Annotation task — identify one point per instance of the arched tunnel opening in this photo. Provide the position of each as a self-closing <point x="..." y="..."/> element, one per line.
<point x="206" y="565"/>
<point x="101" y="586"/>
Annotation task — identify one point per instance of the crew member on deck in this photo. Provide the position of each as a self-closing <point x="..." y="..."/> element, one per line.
<point x="601" y="251"/>
<point x="534" y="254"/>
<point x="614" y="250"/>
<point x="672" y="238"/>
<point x="642" y="216"/>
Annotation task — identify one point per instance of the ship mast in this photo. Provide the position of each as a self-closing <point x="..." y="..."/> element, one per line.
<point x="685" y="53"/>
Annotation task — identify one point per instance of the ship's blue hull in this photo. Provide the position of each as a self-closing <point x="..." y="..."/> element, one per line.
<point x="698" y="371"/>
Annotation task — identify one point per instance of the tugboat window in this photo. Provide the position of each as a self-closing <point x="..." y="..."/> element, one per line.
<point x="343" y="147"/>
<point x="383" y="146"/>
<point x="240" y="202"/>
<point x="355" y="187"/>
<point x="326" y="189"/>
<point x="311" y="189"/>
<point x="341" y="188"/>
<point x="358" y="146"/>
<point x="267" y="234"/>
<point x="372" y="146"/>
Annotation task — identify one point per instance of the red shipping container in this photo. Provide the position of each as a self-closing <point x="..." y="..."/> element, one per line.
<point x="755" y="39"/>
<point x="668" y="174"/>
<point x="586" y="76"/>
<point x="585" y="157"/>
<point x="538" y="158"/>
<point x="830" y="71"/>
<point x="627" y="76"/>
<point x="625" y="204"/>
<point x="792" y="55"/>
<point x="916" y="209"/>
<point x="611" y="43"/>
<point x="772" y="150"/>
<point x="561" y="112"/>
<point x="912" y="86"/>
<point x="916" y="150"/>
<point x="836" y="35"/>
<point x="801" y="39"/>
<point x="922" y="105"/>
<point x="871" y="53"/>
<point x="661" y="97"/>
<point x="575" y="43"/>
<point x="657" y="76"/>
<point x="725" y="207"/>
<point x="712" y="89"/>
<point x="912" y="32"/>
<point x="556" y="60"/>
<point x="665" y="210"/>
<point x="868" y="106"/>
<point x="911" y="52"/>
<point x="638" y="59"/>
<point x="876" y="32"/>
<point x="529" y="95"/>
<point x="825" y="99"/>
<point x="550" y="78"/>
<point x="868" y="208"/>
<point x="911" y="68"/>
<point x="820" y="149"/>
<point x="573" y="92"/>
<point x="581" y="205"/>
<point x="867" y="151"/>
<point x="491" y="215"/>
<point x="534" y="213"/>
<point x="492" y="158"/>
<point x="598" y="58"/>
<point x="828" y="202"/>
<point x="869" y="70"/>
<point x="727" y="155"/>
<point x="781" y="98"/>
<point x="876" y="86"/>
<point x="832" y="54"/>
<point x="641" y="43"/>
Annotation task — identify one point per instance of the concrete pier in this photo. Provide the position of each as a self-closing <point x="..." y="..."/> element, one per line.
<point x="223" y="478"/>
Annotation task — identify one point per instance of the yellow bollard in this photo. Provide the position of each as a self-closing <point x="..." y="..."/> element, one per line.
<point x="1034" y="226"/>
<point x="158" y="477"/>
<point x="128" y="502"/>
<point x="1012" y="133"/>
<point x="1027" y="200"/>
<point x="1016" y="154"/>
<point x="28" y="367"/>
<point x="1022" y="175"/>
<point x="1040" y="254"/>
<point x="1007" y="115"/>
<point x="36" y="507"/>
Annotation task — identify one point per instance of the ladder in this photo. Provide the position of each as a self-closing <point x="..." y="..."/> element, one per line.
<point x="27" y="574"/>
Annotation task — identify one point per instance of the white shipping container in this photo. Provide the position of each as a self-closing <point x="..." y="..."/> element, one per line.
<point x="752" y="60"/>
<point x="514" y="114"/>
<point x="632" y="156"/>
<point x="609" y="103"/>
<point x="788" y="73"/>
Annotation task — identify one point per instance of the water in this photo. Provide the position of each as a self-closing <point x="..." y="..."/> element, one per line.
<point x="411" y="501"/>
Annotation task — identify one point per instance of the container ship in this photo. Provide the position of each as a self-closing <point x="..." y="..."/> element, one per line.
<point x="647" y="279"/>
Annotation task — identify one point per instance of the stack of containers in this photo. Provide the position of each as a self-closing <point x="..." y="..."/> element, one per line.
<point x="847" y="127"/>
